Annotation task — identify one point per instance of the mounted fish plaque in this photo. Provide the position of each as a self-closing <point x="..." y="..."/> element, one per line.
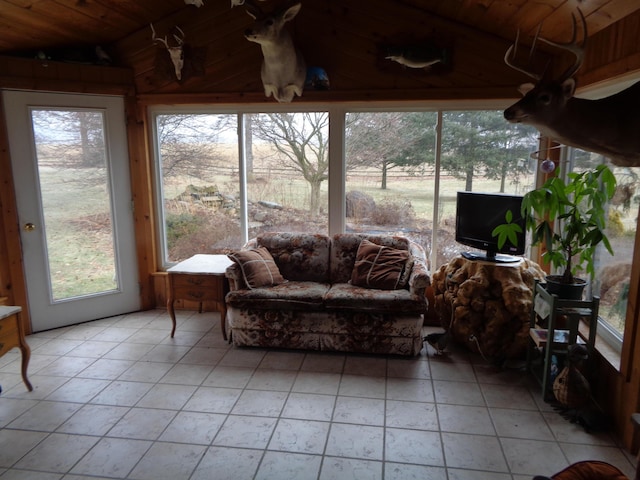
<point x="417" y="56"/>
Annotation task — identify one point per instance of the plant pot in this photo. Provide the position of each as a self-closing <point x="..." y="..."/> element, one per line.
<point x="569" y="291"/>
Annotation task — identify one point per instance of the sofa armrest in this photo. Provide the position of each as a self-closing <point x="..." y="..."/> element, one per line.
<point x="419" y="278"/>
<point x="236" y="280"/>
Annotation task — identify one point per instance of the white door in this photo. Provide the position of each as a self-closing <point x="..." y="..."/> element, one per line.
<point x="71" y="172"/>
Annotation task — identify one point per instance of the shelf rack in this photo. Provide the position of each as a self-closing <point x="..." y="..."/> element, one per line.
<point x="547" y="311"/>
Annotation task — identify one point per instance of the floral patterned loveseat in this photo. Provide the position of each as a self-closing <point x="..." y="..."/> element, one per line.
<point x="348" y="292"/>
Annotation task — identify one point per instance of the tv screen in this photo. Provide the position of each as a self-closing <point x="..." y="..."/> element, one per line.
<point x="477" y="214"/>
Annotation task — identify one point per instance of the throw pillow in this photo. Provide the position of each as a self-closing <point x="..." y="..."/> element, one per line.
<point x="258" y="267"/>
<point x="378" y="266"/>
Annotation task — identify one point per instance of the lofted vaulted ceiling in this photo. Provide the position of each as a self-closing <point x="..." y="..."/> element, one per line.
<point x="342" y="36"/>
<point x="38" y="24"/>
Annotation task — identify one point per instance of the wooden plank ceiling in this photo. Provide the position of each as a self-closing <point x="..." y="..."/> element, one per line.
<point x="38" y="24"/>
<point x="343" y="36"/>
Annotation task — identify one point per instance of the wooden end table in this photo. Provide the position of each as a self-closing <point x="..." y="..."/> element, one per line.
<point x="201" y="279"/>
<point x="12" y="335"/>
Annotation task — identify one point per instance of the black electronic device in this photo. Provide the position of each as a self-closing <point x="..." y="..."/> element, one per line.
<point x="477" y="214"/>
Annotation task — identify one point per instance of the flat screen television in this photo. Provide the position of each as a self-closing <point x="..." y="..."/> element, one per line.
<point x="477" y="214"/>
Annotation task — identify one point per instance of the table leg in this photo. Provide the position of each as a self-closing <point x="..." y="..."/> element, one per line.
<point x="170" y="299"/>
<point x="26" y="354"/>
<point x="223" y="310"/>
<point x="172" y="314"/>
<point x="223" y="319"/>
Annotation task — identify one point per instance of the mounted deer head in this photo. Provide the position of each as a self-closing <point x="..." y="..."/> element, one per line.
<point x="176" y="53"/>
<point x="608" y="126"/>
<point x="283" y="69"/>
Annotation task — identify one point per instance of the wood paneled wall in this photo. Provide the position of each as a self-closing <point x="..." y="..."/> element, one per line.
<point x="347" y="39"/>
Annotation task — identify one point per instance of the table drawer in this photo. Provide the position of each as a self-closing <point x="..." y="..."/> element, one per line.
<point x="9" y="326"/>
<point x="195" y="280"/>
<point x="198" y="288"/>
<point x="8" y="340"/>
<point x="198" y="294"/>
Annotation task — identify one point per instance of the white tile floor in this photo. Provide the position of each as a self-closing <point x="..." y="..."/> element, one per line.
<point x="118" y="398"/>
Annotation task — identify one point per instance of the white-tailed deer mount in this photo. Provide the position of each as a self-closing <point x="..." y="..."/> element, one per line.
<point x="609" y="126"/>
<point x="176" y="53"/>
<point x="283" y="69"/>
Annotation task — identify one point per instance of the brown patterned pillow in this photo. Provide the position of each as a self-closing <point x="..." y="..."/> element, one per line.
<point x="258" y="267"/>
<point x="379" y="267"/>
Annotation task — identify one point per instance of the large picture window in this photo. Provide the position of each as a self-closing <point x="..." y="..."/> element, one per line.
<point x="216" y="187"/>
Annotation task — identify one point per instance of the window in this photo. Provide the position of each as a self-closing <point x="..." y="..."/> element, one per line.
<point x="203" y="203"/>
<point x="197" y="181"/>
<point x="613" y="272"/>
<point x="390" y="173"/>
<point x="218" y="187"/>
<point x="484" y="153"/>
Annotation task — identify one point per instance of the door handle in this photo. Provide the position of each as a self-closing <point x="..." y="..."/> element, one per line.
<point x="29" y="227"/>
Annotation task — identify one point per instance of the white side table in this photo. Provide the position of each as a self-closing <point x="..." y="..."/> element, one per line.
<point x="200" y="278"/>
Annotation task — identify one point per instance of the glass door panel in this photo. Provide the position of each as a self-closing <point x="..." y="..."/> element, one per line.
<point x="72" y="170"/>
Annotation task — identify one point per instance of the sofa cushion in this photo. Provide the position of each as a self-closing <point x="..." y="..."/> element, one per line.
<point x="344" y="249"/>
<point x="379" y="267"/>
<point x="299" y="256"/>
<point x="345" y="296"/>
<point x="289" y="296"/>
<point x="258" y="267"/>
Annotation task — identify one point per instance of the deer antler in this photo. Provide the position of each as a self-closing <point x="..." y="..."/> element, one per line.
<point x="155" y="38"/>
<point x="253" y="10"/>
<point x="179" y="38"/>
<point x="572" y="46"/>
<point x="510" y="56"/>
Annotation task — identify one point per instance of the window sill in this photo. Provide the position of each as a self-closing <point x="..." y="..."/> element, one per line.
<point x="610" y="354"/>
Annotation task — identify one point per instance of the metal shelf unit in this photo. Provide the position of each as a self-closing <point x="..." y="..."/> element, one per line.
<point x="551" y="313"/>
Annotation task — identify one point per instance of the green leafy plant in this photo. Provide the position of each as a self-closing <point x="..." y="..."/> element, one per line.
<point x="507" y="231"/>
<point x="579" y="206"/>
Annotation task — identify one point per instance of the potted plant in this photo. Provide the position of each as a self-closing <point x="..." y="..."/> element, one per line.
<point x="579" y="206"/>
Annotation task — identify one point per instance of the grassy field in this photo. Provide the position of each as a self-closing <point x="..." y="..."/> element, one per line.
<point x="78" y="231"/>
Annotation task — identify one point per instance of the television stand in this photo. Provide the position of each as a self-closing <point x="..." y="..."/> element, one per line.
<point x="487" y="306"/>
<point x="497" y="258"/>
